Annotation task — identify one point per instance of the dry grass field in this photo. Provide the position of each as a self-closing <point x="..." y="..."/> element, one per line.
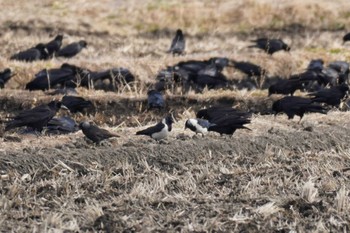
<point x="279" y="177"/>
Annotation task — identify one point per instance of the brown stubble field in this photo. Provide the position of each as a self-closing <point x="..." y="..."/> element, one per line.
<point x="279" y="177"/>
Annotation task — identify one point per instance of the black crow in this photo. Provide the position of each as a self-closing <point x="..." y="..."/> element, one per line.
<point x="76" y="104"/>
<point x="198" y="125"/>
<point x="194" y="66"/>
<point x="285" y="87"/>
<point x="35" y="118"/>
<point x="38" y="52"/>
<point x="346" y="37"/>
<point x="224" y="120"/>
<point x="248" y="68"/>
<point x="331" y="96"/>
<point x="5" y="76"/>
<point x="94" y="133"/>
<point x="316" y="65"/>
<point x="61" y="125"/>
<point x="213" y="113"/>
<point x="212" y="82"/>
<point x="229" y="124"/>
<point x="159" y="131"/>
<point x="270" y="46"/>
<point x="47" y="79"/>
<point x="178" y="43"/>
<point x="294" y="105"/>
<point x="329" y="76"/>
<point x="307" y="76"/>
<point x="72" y="49"/>
<point x="155" y="100"/>
<point x="342" y="67"/>
<point x="194" y="73"/>
<point x="54" y="45"/>
<point x="116" y="77"/>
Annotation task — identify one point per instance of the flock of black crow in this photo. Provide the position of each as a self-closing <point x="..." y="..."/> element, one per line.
<point x="327" y="86"/>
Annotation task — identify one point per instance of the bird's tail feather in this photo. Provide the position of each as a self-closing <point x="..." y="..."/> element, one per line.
<point x="317" y="108"/>
<point x="141" y="132"/>
<point x="252" y="46"/>
<point x="11" y="125"/>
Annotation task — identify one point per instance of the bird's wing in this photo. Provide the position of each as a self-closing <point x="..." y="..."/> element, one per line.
<point x="62" y="123"/>
<point x="177" y="42"/>
<point x="103" y="133"/>
<point x="153" y="129"/>
<point x="30" y="54"/>
<point x="204" y="123"/>
<point x="35" y="114"/>
<point x="68" y="50"/>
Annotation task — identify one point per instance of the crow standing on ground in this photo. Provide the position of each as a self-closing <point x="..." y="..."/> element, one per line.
<point x="331" y="96"/>
<point x="116" y="76"/>
<point x="178" y="43"/>
<point x="213" y="113"/>
<point x="270" y="46"/>
<point x="72" y="49"/>
<point x="198" y="125"/>
<point x="155" y="100"/>
<point x="61" y="125"/>
<point x="224" y="120"/>
<point x="54" y="45"/>
<point x="293" y="105"/>
<point x="38" y="52"/>
<point x="35" y="118"/>
<point x="46" y="79"/>
<point x="229" y="124"/>
<point x="76" y="104"/>
<point x="285" y="87"/>
<point x="5" y="76"/>
<point x="94" y="133"/>
<point x="315" y="65"/>
<point x="160" y="130"/>
<point x="248" y="68"/>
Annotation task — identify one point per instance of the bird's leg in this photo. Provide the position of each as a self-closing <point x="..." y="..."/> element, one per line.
<point x="300" y="120"/>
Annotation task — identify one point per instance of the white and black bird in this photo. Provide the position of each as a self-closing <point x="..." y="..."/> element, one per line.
<point x="178" y="43"/>
<point x="54" y="45"/>
<point x="198" y="125"/>
<point x="159" y="131"/>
